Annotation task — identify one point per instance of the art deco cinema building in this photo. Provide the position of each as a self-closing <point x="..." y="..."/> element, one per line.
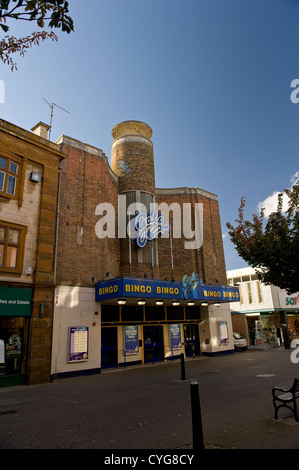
<point x="126" y="293"/>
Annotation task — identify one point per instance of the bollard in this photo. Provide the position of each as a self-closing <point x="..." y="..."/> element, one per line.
<point x="183" y="373"/>
<point x="198" y="443"/>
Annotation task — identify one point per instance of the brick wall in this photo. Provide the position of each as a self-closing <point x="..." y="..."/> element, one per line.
<point x="239" y="323"/>
<point x="137" y="171"/>
<point x="86" y="181"/>
<point x="208" y="261"/>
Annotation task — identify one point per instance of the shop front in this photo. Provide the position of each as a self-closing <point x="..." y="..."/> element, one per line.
<point x="264" y="330"/>
<point x="138" y="334"/>
<point x="289" y="304"/>
<point x="275" y="327"/>
<point x="15" y="313"/>
<point x="149" y="320"/>
<point x="126" y="321"/>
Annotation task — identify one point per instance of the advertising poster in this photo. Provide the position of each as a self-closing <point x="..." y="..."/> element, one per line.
<point x="175" y="336"/>
<point x="78" y="344"/>
<point x="223" y="333"/>
<point x="131" y="339"/>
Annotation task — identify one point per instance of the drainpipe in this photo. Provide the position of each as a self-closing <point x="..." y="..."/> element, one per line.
<point x="57" y="222"/>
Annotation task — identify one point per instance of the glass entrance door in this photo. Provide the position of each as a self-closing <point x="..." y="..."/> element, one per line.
<point x="109" y="347"/>
<point x="191" y="336"/>
<point x="153" y="343"/>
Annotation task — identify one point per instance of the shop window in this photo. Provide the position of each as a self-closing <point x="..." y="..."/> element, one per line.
<point x="249" y="287"/>
<point x="175" y="313"/>
<point x="241" y="294"/>
<point x="192" y="313"/>
<point x="12" y="244"/>
<point x="259" y="292"/>
<point x="154" y="313"/>
<point x="131" y="313"/>
<point x="13" y="345"/>
<point x="109" y="313"/>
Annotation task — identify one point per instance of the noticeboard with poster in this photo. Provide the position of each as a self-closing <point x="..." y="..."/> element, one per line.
<point x="223" y="332"/>
<point x="78" y="344"/>
<point x="175" y="336"/>
<point x="131" y="339"/>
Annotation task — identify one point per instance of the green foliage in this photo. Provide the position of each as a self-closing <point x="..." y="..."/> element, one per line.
<point x="55" y="12"/>
<point x="272" y="246"/>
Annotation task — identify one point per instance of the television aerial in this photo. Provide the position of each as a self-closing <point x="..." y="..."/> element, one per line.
<point x="52" y="112"/>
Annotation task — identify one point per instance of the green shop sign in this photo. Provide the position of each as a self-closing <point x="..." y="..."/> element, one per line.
<point x="15" y="302"/>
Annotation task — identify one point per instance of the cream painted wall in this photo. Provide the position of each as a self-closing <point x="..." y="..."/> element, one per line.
<point x="209" y="329"/>
<point x="75" y="306"/>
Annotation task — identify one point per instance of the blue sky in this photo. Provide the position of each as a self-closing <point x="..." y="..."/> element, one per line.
<point x="211" y="77"/>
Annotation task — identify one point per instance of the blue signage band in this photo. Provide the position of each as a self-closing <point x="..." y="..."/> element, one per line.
<point x="129" y="287"/>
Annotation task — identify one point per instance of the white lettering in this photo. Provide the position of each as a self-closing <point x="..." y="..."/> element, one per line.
<point x="164" y="209"/>
<point x="114" y="460"/>
<point x="197" y="233"/>
<point x="122" y="213"/>
<point x="108" y="220"/>
<point x="294" y="84"/>
<point x="105" y="227"/>
<point x="167" y="459"/>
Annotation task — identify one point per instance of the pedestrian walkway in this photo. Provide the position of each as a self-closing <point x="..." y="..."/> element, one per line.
<point x="149" y="407"/>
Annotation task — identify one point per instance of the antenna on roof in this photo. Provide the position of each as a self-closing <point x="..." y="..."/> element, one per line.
<point x="52" y="112"/>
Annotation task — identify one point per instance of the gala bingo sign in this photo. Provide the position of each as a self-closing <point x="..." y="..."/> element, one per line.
<point x="129" y="287"/>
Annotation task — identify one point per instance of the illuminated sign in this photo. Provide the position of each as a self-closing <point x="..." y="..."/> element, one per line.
<point x="149" y="227"/>
<point x="134" y="287"/>
<point x="128" y="287"/>
<point x="190" y="284"/>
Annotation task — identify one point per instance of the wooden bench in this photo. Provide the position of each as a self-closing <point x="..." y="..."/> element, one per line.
<point x="286" y="398"/>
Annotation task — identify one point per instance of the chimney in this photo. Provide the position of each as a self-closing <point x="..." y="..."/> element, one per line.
<point x="41" y="129"/>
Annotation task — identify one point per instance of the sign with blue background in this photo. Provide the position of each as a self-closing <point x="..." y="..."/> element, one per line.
<point x="130" y="287"/>
<point x="175" y="336"/>
<point x="131" y="339"/>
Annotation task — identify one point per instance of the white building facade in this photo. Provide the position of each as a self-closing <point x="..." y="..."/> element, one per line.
<point x="266" y="315"/>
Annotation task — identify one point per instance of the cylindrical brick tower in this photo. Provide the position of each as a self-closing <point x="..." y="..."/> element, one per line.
<point x="132" y="158"/>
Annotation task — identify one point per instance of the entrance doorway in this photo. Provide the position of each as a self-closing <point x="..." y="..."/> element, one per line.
<point x="153" y="343"/>
<point x="109" y="347"/>
<point x="191" y="337"/>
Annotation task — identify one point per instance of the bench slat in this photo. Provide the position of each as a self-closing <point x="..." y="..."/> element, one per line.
<point x="287" y="397"/>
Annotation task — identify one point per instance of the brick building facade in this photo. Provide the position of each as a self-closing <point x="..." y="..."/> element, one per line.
<point x="117" y="302"/>
<point x="29" y="177"/>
